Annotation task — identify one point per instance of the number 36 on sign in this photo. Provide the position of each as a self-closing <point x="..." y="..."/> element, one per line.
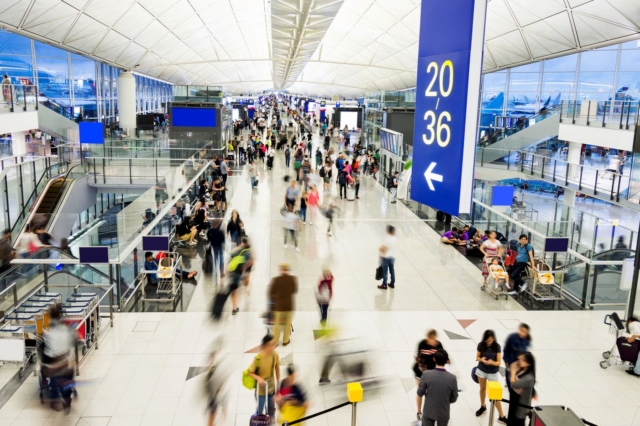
<point x="441" y="77"/>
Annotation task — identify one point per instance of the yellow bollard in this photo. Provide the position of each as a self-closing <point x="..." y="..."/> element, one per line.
<point x="355" y="395"/>
<point x="494" y="392"/>
<point x="354" y="392"/>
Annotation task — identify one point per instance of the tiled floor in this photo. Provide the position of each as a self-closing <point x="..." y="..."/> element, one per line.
<point x="146" y="370"/>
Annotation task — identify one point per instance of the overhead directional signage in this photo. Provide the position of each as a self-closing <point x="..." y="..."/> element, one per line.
<point x="447" y="103"/>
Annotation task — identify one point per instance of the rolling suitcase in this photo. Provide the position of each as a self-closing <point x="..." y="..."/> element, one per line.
<point x="351" y="193"/>
<point x="628" y="351"/>
<point x="207" y="262"/>
<point x="218" y="303"/>
<point x="260" y="419"/>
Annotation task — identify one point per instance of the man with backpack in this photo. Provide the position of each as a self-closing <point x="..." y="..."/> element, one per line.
<point x="525" y="255"/>
<point x="240" y="262"/>
<point x="287" y="156"/>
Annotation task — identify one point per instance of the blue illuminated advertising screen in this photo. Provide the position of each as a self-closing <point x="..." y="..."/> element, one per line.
<point x="193" y="117"/>
<point x="502" y="195"/>
<point x="447" y="103"/>
<point x="91" y="132"/>
<point x="155" y="243"/>
<point x="556" y="245"/>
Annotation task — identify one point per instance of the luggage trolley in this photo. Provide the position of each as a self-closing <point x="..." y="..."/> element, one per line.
<point x="622" y="351"/>
<point x="72" y="316"/>
<point x="13" y="347"/>
<point x="31" y="322"/>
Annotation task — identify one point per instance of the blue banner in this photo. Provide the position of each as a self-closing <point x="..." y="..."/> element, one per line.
<point x="447" y="103"/>
<point x="91" y="132"/>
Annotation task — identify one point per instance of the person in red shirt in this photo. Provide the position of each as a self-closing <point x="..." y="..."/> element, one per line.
<point x="324" y="293"/>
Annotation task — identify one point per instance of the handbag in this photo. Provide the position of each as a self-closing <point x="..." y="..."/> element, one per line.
<point x="378" y="273"/>
<point x="248" y="381"/>
<point x="473" y="374"/>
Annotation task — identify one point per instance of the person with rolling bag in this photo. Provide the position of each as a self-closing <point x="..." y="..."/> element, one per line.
<point x="260" y="377"/>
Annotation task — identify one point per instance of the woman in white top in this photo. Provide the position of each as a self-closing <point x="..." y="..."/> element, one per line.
<point x="490" y="248"/>
<point x="28" y="243"/>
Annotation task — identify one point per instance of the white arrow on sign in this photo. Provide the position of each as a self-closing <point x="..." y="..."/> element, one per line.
<point x="429" y="175"/>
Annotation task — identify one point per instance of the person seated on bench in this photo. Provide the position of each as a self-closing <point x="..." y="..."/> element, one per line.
<point x="187" y="231"/>
<point x="453" y="237"/>
<point x="151" y="264"/>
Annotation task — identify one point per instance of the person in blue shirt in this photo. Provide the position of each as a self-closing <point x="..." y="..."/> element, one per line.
<point x="516" y="344"/>
<point x="525" y="256"/>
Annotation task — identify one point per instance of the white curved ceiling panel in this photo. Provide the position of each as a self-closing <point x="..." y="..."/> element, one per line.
<point x="318" y="47"/>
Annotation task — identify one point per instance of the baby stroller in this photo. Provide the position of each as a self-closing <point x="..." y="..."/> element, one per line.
<point x="622" y="351"/>
<point x="498" y="287"/>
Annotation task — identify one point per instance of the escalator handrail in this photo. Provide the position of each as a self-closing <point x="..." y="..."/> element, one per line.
<point x="606" y="252"/>
<point x="34" y="193"/>
<point x="42" y="250"/>
<point x="66" y="176"/>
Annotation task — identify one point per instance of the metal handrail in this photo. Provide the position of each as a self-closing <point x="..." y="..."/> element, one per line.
<point x="34" y="193"/>
<point x="54" y="205"/>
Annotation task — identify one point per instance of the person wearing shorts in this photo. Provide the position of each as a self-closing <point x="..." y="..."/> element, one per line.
<point x="489" y="357"/>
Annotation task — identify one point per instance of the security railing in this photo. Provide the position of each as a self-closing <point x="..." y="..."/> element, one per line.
<point x="593" y="181"/>
<point x="18" y="98"/>
<point x="616" y="114"/>
<point x="509" y="125"/>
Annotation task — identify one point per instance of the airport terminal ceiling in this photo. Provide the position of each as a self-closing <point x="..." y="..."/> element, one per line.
<point x="321" y="47"/>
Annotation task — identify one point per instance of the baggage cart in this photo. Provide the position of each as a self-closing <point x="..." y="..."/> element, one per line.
<point x="13" y="347"/>
<point x="32" y="326"/>
<point x="72" y="317"/>
<point x="622" y="352"/>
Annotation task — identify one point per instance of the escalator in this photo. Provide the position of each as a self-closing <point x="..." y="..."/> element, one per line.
<point x="21" y="280"/>
<point x="47" y="202"/>
<point x="601" y="284"/>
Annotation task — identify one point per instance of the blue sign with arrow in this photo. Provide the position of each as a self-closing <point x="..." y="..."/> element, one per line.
<point x="447" y="103"/>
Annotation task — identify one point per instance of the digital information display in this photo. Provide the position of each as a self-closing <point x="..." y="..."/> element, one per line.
<point x="502" y="195"/>
<point x="447" y="102"/>
<point x="556" y="245"/>
<point x="193" y="117"/>
<point x="389" y="142"/>
<point x="155" y="243"/>
<point x="91" y="132"/>
<point x="90" y="255"/>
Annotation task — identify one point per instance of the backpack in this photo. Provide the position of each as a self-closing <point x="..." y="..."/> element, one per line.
<point x="322" y="172"/>
<point x="287" y="152"/>
<point x="390" y="183"/>
<point x="248" y="381"/>
<point x="237" y="260"/>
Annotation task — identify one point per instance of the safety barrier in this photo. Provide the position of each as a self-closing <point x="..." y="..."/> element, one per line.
<point x="355" y="394"/>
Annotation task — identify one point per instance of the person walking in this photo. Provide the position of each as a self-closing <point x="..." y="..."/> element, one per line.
<point x="224" y="170"/>
<point x="489" y="360"/>
<point x="266" y="365"/>
<point x="281" y="292"/>
<point x="393" y="187"/>
<point x="291" y="398"/>
<point x="287" y="156"/>
<point x="313" y="200"/>
<point x="253" y="173"/>
<point x="235" y="227"/>
<point x="523" y="379"/>
<point x="387" y="259"/>
<point x="215" y="236"/>
<point x="324" y="293"/>
<point x="291" y="195"/>
<point x="342" y="181"/>
<point x="325" y="174"/>
<point x="516" y="344"/>
<point x="291" y="226"/>
<point x="425" y="360"/>
<point x="439" y="389"/>
<point x="240" y="262"/>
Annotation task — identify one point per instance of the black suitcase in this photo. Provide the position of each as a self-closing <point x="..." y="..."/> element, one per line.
<point x="207" y="262"/>
<point x="628" y="351"/>
<point x="218" y="303"/>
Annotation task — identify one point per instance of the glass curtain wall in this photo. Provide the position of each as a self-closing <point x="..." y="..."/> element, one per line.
<point x="70" y="80"/>
<point x="611" y="72"/>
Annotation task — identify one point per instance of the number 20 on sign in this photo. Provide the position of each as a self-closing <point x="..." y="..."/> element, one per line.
<point x="437" y="122"/>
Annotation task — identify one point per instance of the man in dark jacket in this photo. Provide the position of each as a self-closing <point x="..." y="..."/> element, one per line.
<point x="440" y="389"/>
<point x="281" y="292"/>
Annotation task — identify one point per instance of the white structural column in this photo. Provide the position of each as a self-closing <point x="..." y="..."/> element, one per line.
<point x="127" y="100"/>
<point x="573" y="157"/>
<point x="18" y="143"/>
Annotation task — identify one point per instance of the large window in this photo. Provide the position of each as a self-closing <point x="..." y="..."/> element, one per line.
<point x="74" y="80"/>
